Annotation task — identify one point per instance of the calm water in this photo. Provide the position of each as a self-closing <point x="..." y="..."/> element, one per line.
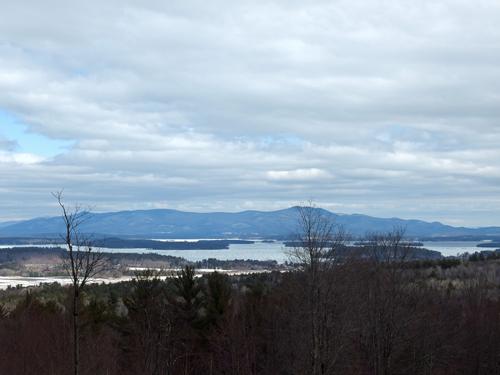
<point x="256" y="251"/>
<point x="275" y="251"/>
<point x="448" y="248"/>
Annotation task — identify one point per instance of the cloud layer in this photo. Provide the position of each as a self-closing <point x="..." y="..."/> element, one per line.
<point x="384" y="108"/>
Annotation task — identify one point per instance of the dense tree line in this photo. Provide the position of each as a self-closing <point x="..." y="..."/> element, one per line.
<point x="366" y="317"/>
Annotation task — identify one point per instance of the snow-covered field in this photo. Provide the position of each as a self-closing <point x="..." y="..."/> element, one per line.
<point x="13" y="281"/>
<point x="23" y="281"/>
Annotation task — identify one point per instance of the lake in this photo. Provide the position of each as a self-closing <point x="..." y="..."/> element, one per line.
<point x="274" y="250"/>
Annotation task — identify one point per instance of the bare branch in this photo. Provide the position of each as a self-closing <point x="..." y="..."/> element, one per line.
<point x="318" y="239"/>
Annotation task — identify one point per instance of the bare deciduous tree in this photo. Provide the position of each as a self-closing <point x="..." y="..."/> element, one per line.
<point x="317" y="240"/>
<point x="389" y="247"/>
<point x="385" y="314"/>
<point x="82" y="262"/>
<point x="316" y="249"/>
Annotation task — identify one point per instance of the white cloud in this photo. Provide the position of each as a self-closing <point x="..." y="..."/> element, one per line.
<point x="19" y="158"/>
<point x="229" y="105"/>
<point x="298" y="174"/>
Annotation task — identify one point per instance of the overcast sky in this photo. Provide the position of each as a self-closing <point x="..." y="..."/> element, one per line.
<point x="387" y="108"/>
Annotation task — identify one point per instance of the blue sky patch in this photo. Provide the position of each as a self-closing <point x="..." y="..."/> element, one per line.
<point x="26" y="141"/>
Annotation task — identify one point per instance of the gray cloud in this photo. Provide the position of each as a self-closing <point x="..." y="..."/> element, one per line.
<point x="7" y="144"/>
<point x="373" y="107"/>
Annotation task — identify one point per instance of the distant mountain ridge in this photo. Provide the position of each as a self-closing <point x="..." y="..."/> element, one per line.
<point x="167" y="223"/>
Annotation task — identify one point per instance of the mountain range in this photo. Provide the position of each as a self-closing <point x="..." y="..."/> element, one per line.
<point x="167" y="223"/>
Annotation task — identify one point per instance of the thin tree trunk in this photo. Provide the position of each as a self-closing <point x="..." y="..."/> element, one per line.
<point x="76" y="332"/>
